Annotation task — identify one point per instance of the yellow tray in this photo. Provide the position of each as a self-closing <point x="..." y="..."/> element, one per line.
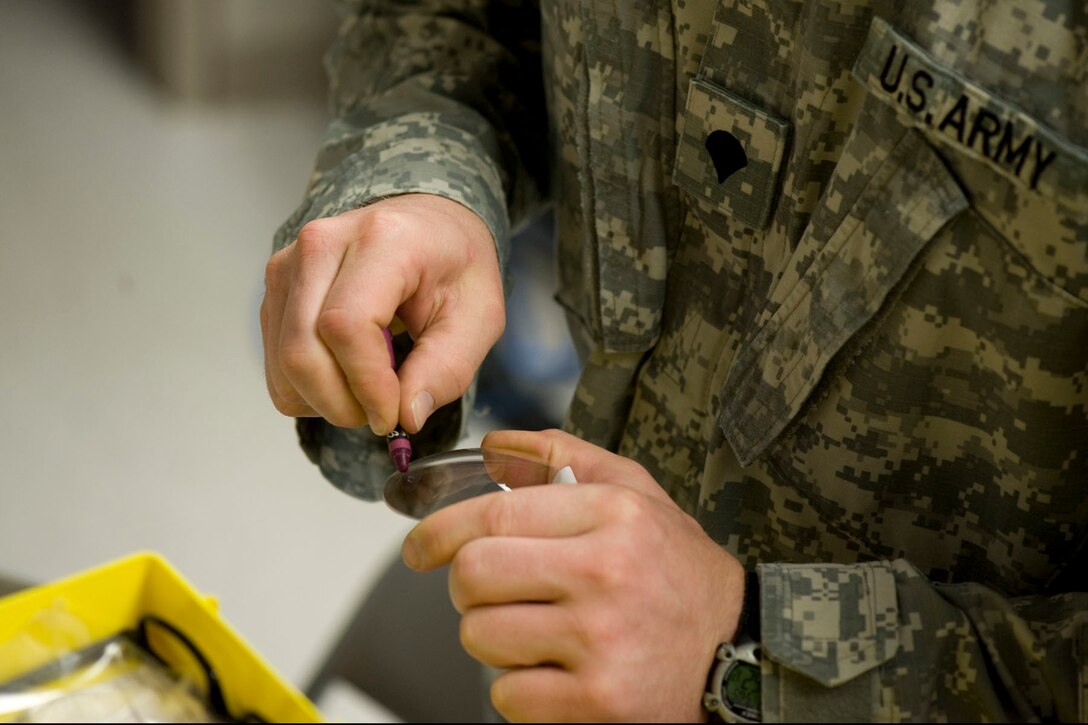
<point x="114" y="597"/>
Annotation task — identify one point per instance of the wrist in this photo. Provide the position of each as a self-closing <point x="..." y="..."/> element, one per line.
<point x="733" y="687"/>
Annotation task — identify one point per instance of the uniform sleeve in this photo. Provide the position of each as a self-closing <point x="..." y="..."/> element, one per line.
<point x="434" y="96"/>
<point x="878" y="642"/>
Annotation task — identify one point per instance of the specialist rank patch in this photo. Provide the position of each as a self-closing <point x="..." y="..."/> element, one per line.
<point x="948" y="107"/>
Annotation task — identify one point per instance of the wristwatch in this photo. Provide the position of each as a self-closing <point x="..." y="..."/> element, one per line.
<point x="733" y="689"/>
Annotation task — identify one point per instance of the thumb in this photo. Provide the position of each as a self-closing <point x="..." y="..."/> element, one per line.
<point x="443" y="361"/>
<point x="590" y="463"/>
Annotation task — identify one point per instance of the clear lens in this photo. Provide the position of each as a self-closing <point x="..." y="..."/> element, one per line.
<point x="437" y="481"/>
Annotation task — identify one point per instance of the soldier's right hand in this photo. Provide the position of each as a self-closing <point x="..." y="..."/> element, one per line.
<point x="430" y="262"/>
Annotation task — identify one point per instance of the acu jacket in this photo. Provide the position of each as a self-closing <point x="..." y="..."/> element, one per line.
<point x="826" y="264"/>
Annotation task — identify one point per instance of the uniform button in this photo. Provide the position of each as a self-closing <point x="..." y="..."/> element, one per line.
<point x="727" y="154"/>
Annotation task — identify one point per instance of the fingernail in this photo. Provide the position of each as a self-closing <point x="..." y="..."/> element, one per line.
<point x="377" y="425"/>
<point x="422" y="406"/>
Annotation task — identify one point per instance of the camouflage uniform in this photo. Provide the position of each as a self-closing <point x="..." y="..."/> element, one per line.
<point x="827" y="267"/>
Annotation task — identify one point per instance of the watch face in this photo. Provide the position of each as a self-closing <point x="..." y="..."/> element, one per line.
<point x="740" y="690"/>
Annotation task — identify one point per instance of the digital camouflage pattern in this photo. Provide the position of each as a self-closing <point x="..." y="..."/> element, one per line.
<point x="759" y="146"/>
<point x="435" y="115"/>
<point x="860" y="360"/>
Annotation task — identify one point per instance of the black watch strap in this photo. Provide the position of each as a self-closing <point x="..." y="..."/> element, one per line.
<point x="748" y="626"/>
<point x="733" y="686"/>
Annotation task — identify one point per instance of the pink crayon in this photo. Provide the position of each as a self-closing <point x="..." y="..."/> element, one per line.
<point x="400" y="448"/>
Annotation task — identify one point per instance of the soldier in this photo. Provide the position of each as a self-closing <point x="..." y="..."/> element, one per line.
<point x="826" y="265"/>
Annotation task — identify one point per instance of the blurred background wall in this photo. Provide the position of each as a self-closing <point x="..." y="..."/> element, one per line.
<point x="223" y="51"/>
<point x="148" y="150"/>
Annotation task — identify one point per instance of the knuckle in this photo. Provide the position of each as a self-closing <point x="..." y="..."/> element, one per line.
<point x="555" y="439"/>
<point x="452" y="371"/>
<point x="469" y="633"/>
<point x="375" y="225"/>
<point x="509" y="698"/>
<point x="494" y="317"/>
<point x="295" y="410"/>
<point x="380" y="220"/>
<point x="553" y="434"/>
<point x="499" y="515"/>
<point x="608" y="696"/>
<point x="289" y="396"/>
<point x="348" y="418"/>
<point x="584" y="626"/>
<point x="608" y="570"/>
<point x="279" y="390"/>
<point x="638" y="470"/>
<point x="457" y="596"/>
<point x="466" y="566"/>
<point x="314" y="236"/>
<point x="284" y="405"/>
<point x="628" y="508"/>
<point x="336" y="325"/>
<point x="459" y="371"/>
<point x="273" y="271"/>
<point x="295" y="361"/>
<point x="503" y="698"/>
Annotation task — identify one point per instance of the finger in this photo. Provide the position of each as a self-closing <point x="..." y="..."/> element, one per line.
<point x="590" y="463"/>
<point x="538" y="694"/>
<point x="515" y="471"/>
<point x="448" y="352"/>
<point x="360" y="304"/>
<point x="541" y="511"/>
<point x="277" y="281"/>
<point x="304" y="357"/>
<point x="502" y="570"/>
<point x="295" y="410"/>
<point x="521" y="635"/>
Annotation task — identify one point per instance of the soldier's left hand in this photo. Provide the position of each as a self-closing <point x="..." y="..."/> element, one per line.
<point x="601" y="600"/>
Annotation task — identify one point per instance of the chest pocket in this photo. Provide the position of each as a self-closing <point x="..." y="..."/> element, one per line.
<point x="890" y="195"/>
<point x="918" y="375"/>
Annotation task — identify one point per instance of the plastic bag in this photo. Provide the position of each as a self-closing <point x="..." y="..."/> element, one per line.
<point x="118" y="679"/>
<point x="113" y="681"/>
<point x="145" y="600"/>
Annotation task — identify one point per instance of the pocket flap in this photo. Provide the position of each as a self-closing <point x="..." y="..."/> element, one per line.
<point x="730" y="153"/>
<point x="854" y="266"/>
<point x="954" y="112"/>
<point x="830" y="622"/>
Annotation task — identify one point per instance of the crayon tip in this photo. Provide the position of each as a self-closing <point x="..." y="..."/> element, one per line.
<point x="400" y="450"/>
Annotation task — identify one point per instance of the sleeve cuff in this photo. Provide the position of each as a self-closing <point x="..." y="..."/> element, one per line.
<point x="414" y="153"/>
<point x="357" y="462"/>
